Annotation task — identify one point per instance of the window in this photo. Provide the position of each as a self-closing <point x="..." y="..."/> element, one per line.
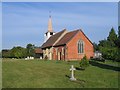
<point x="51" y="33"/>
<point x="80" y="46"/>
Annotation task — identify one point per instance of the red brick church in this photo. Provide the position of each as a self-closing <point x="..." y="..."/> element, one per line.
<point x="65" y="45"/>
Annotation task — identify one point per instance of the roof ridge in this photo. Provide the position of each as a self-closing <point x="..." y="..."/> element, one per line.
<point x="87" y="37"/>
<point x="60" y="31"/>
<point x="74" y="30"/>
<point x="54" y="39"/>
<point x="74" y="33"/>
<point x="62" y="35"/>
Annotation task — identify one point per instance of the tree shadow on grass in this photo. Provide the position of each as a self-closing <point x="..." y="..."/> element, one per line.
<point x="78" y="68"/>
<point x="104" y="66"/>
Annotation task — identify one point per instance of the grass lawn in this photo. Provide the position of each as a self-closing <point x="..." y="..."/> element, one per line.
<point x="55" y="74"/>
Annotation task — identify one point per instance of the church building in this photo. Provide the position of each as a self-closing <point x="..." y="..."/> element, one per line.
<point x="66" y="45"/>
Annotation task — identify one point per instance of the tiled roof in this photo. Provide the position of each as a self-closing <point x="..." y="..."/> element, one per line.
<point x="38" y="50"/>
<point x="68" y="36"/>
<point x="86" y="37"/>
<point x="52" y="39"/>
<point x="65" y="39"/>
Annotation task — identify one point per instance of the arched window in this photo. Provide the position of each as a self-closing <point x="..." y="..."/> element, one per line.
<point x="80" y="46"/>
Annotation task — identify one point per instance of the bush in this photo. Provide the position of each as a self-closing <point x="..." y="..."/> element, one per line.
<point x="84" y="62"/>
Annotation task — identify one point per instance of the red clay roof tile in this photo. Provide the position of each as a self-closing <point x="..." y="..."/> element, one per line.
<point x="68" y="36"/>
<point x="38" y="50"/>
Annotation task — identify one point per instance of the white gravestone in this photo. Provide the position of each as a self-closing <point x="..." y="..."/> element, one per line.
<point x="28" y="57"/>
<point x="72" y="73"/>
<point x="40" y="57"/>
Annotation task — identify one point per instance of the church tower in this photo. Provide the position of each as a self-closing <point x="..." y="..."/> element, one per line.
<point x="50" y="32"/>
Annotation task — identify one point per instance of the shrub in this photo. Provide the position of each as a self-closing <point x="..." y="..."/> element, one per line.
<point x="84" y="62"/>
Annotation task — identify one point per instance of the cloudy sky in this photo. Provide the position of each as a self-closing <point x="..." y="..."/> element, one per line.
<point x="26" y="22"/>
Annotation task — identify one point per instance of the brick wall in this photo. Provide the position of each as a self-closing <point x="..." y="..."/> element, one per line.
<point x="72" y="48"/>
<point x="60" y="54"/>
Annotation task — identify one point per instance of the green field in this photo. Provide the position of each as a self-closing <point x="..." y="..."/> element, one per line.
<point x="55" y="74"/>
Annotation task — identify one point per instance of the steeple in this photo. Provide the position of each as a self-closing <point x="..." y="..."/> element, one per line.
<point x="49" y="32"/>
<point x="50" y="29"/>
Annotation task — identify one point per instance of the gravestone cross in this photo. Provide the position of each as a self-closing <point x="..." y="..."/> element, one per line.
<point x="72" y="73"/>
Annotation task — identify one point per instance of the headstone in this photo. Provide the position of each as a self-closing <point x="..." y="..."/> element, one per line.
<point x="40" y="57"/>
<point x="72" y="73"/>
<point x="32" y="57"/>
<point x="28" y="57"/>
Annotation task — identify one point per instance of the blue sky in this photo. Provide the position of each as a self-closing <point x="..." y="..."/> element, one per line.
<point x="1" y="26"/>
<point x="25" y="22"/>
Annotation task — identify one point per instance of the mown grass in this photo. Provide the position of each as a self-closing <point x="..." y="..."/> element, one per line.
<point x="55" y="74"/>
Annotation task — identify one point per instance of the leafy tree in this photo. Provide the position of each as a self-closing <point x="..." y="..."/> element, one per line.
<point x="95" y="45"/>
<point x="5" y="53"/>
<point x="109" y="53"/>
<point x="109" y="47"/>
<point x="18" y="52"/>
<point x="118" y="43"/>
<point x="30" y="50"/>
<point x="0" y="54"/>
<point x="104" y="43"/>
<point x="112" y="37"/>
<point x="118" y="39"/>
<point x="119" y="32"/>
<point x="117" y="56"/>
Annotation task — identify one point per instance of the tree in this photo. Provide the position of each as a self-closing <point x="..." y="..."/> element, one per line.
<point x="0" y="54"/>
<point x="109" y="53"/>
<point x="112" y="38"/>
<point x="30" y="49"/>
<point x="5" y="53"/>
<point x="104" y="43"/>
<point x="18" y="52"/>
<point x="84" y="62"/>
<point x="118" y="39"/>
<point x="119" y="32"/>
<point x="110" y="47"/>
<point x="95" y="45"/>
